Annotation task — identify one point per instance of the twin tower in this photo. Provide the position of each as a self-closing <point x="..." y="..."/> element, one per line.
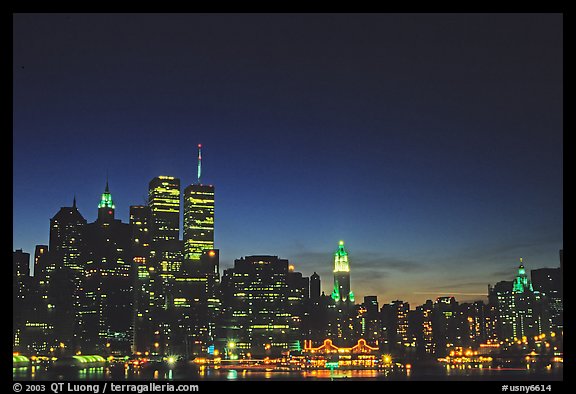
<point x="164" y="203"/>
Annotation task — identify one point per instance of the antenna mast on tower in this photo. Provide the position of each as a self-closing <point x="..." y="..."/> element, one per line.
<point x="199" y="162"/>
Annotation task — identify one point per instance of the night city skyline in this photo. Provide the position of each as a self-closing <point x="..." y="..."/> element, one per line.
<point x="431" y="144"/>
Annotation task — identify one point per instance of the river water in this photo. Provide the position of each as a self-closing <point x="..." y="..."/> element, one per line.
<point x="205" y="374"/>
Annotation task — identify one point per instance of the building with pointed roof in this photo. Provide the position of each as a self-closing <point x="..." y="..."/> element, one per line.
<point x="519" y="307"/>
<point x="341" y="291"/>
<point x="107" y="294"/>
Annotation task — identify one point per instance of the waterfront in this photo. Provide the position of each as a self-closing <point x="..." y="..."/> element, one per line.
<point x="119" y="373"/>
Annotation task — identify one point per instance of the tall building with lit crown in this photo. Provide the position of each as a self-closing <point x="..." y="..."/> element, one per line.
<point x="343" y="324"/>
<point x="528" y="305"/>
<point x="107" y="312"/>
<point x="519" y="307"/>
<point x="341" y="291"/>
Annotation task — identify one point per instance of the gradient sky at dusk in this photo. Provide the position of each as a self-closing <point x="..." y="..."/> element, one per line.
<point x="430" y="144"/>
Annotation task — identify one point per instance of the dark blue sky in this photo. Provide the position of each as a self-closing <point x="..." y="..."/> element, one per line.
<point x="431" y="144"/>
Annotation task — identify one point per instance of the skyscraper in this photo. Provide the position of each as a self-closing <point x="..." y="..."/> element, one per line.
<point x="40" y="254"/>
<point x="548" y="281"/>
<point x="62" y="277"/>
<point x="66" y="239"/>
<point x="314" y="287"/>
<point x="520" y="308"/>
<point x="32" y="331"/>
<point x="342" y="322"/>
<point x="144" y="278"/>
<point x="370" y="319"/>
<point x="257" y="313"/>
<point x="341" y="291"/>
<point x="501" y="299"/>
<point x="166" y="247"/>
<point x="425" y="341"/>
<point x="107" y="315"/>
<point x="198" y="218"/>
<point x="20" y="271"/>
<point x="528" y="305"/>
<point x="446" y="324"/>
<point x="164" y="203"/>
<point x="298" y="300"/>
<point x="196" y="305"/>
<point x="394" y="317"/>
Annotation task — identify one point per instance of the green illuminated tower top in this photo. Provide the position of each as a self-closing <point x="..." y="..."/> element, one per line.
<point x="106" y="205"/>
<point x="341" y="271"/>
<point x="341" y="259"/>
<point x="521" y="282"/>
<point x="106" y="200"/>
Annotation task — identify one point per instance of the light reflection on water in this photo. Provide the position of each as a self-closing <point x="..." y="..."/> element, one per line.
<point x="122" y="373"/>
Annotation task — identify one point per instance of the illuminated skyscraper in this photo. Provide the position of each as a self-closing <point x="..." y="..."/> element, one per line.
<point x="370" y="319"/>
<point x="425" y="341"/>
<point x="258" y="316"/>
<point x="446" y="324"/>
<point x="195" y="301"/>
<point x="196" y="305"/>
<point x="20" y="267"/>
<point x="106" y="206"/>
<point x="144" y="278"/>
<point x="341" y="291"/>
<point x="501" y="300"/>
<point x="474" y="318"/>
<point x="20" y="271"/>
<point x="343" y="324"/>
<point x="164" y="203"/>
<point x="198" y="221"/>
<point x="40" y="254"/>
<point x="395" y="324"/>
<point x="107" y="313"/>
<point x="166" y="248"/>
<point x="66" y="239"/>
<point x="520" y="308"/>
<point x="298" y="300"/>
<point x="528" y="305"/>
<point x="198" y="218"/>
<point x="548" y="281"/>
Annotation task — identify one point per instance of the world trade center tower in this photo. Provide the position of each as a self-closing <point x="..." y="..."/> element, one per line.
<point x="198" y="218"/>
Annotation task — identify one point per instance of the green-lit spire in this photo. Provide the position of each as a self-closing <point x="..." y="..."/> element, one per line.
<point x="521" y="282"/>
<point x="341" y="259"/>
<point x="106" y="200"/>
<point x="341" y="290"/>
